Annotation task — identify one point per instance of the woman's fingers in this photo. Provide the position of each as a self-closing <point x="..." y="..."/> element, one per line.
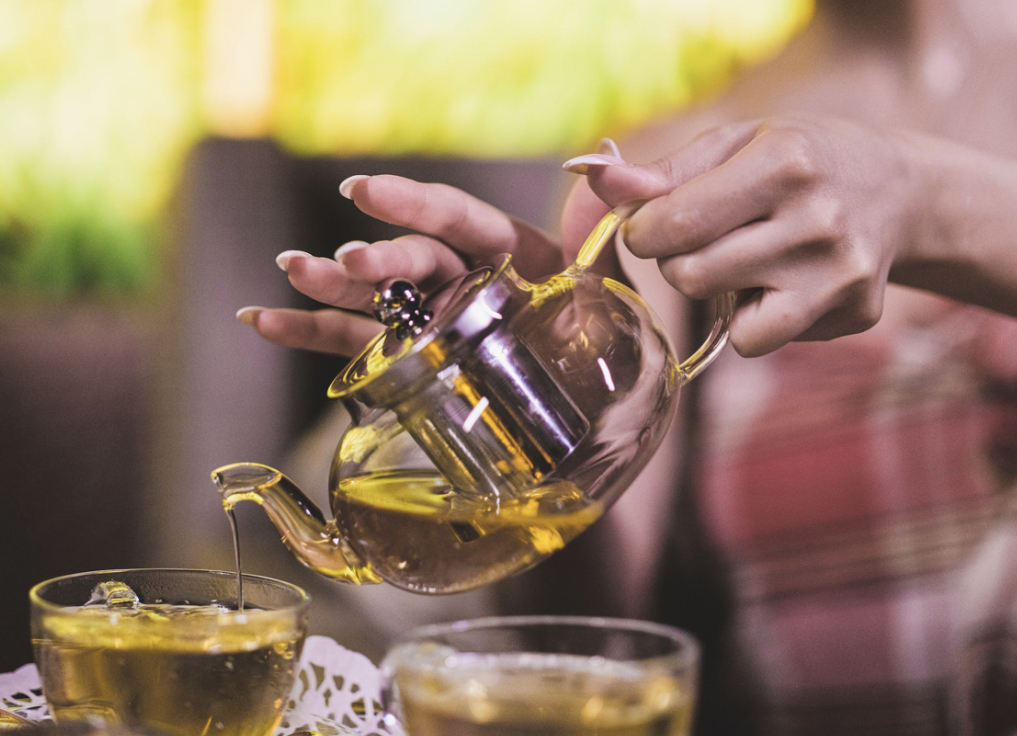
<point x="805" y="215"/>
<point x="454" y="231"/>
<point x="770" y="311"/>
<point x="617" y="182"/>
<point x="798" y="283"/>
<point x="447" y="213"/>
<point x="740" y="260"/>
<point x="327" y="280"/>
<point x="473" y="228"/>
<point x="351" y="278"/>
<point x="348" y="281"/>
<point x="324" y="330"/>
<point x="664" y="226"/>
<point x="705" y="209"/>
<point x="426" y="262"/>
<point x="771" y="318"/>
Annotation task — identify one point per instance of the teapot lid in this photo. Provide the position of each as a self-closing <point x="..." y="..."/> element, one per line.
<point x="473" y="394"/>
<point x="423" y="335"/>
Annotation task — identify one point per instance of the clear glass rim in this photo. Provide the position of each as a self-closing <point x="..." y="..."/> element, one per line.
<point x="685" y="655"/>
<point x="301" y="602"/>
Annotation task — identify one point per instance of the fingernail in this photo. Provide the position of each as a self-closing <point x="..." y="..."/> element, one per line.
<point x="346" y="187"/>
<point x="247" y="315"/>
<point x="348" y="247"/>
<point x="580" y="164"/>
<point x="283" y="259"/>
<point x="608" y="146"/>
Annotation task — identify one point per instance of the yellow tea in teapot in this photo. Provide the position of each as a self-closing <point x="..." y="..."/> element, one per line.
<point x="490" y="423"/>
<point x="418" y="533"/>
<point x="412" y="529"/>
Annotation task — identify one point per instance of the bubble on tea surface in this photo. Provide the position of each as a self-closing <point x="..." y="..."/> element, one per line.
<point x="113" y="594"/>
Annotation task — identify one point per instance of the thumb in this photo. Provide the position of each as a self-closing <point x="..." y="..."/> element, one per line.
<point x="616" y="182"/>
<point x="586" y="205"/>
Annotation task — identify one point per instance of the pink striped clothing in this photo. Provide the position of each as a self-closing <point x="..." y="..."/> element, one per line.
<point x="860" y="491"/>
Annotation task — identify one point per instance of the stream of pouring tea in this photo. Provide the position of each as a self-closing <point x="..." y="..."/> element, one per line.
<point x="236" y="557"/>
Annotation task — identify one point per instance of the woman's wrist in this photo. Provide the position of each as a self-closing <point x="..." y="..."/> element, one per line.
<point x="959" y="234"/>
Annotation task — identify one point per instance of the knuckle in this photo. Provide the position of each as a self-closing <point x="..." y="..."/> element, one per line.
<point x="861" y="267"/>
<point x="865" y="315"/>
<point x="416" y="208"/>
<point x="860" y="297"/>
<point x="459" y="214"/>
<point x="687" y="275"/>
<point x="683" y="227"/>
<point x="830" y="219"/>
<point x="797" y="161"/>
<point x="440" y="212"/>
<point x="664" y="227"/>
<point x="722" y="136"/>
<point x="665" y="169"/>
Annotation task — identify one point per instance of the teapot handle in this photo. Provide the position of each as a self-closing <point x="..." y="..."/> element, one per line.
<point x="691" y="367"/>
<point x="724" y="304"/>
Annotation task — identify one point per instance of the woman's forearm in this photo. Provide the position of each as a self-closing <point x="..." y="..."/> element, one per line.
<point x="964" y="241"/>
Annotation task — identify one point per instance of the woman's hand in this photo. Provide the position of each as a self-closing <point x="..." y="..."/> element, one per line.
<point x="453" y="231"/>
<point x="802" y="217"/>
<point x="807" y="219"/>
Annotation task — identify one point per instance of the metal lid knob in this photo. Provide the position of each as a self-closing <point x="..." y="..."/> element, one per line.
<point x="399" y="305"/>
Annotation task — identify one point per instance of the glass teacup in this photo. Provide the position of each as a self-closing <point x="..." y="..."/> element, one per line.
<point x="542" y="675"/>
<point x="166" y="649"/>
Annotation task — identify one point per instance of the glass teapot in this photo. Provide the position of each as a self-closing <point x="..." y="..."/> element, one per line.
<point x="491" y="424"/>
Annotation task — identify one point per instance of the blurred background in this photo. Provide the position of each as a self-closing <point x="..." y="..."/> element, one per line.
<point x="156" y="156"/>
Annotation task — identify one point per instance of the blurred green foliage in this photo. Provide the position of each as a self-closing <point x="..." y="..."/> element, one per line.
<point x="100" y="100"/>
<point x="507" y="78"/>
<point x="98" y="104"/>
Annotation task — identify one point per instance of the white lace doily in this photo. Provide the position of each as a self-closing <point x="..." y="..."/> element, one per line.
<point x="21" y="694"/>
<point x="336" y="692"/>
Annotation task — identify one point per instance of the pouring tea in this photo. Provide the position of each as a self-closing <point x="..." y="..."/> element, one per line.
<point x="491" y="423"/>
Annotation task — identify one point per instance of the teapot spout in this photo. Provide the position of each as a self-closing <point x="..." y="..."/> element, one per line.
<point x="315" y="542"/>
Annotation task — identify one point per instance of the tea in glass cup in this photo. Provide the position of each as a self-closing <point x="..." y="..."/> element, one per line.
<point x="543" y="675"/>
<point x="168" y="649"/>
